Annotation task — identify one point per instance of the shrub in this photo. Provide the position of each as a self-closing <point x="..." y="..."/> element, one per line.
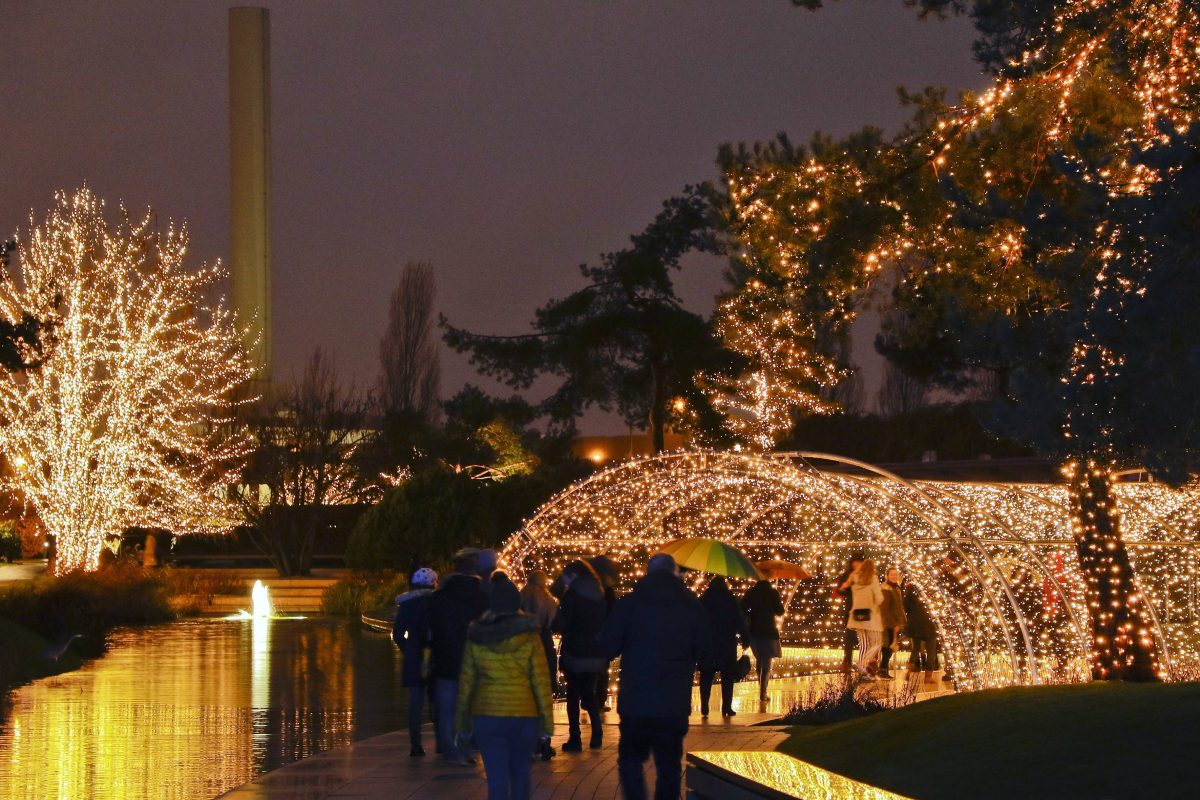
<point x="89" y="604"/>
<point x="10" y="541"/>
<point x="360" y="592"/>
<point x="838" y="700"/>
<point x="427" y="518"/>
<point x="437" y="511"/>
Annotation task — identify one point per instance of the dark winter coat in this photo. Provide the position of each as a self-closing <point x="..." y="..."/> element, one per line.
<point x="762" y="604"/>
<point x="726" y="624"/>
<point x="411" y="632"/>
<point x="580" y="617"/>
<point x="893" y="607"/>
<point x="920" y="624"/>
<point x="459" y="602"/>
<point x="661" y="633"/>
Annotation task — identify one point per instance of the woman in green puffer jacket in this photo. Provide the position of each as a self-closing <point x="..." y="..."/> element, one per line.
<point x="504" y="699"/>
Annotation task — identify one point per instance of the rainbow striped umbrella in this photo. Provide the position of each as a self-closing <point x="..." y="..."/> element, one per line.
<point x="711" y="555"/>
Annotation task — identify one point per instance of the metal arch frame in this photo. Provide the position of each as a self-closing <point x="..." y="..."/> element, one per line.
<point x="1168" y="659"/>
<point x="688" y="474"/>
<point x="683" y="470"/>
<point x="954" y="541"/>
<point x="901" y="540"/>
<point x="1028" y="547"/>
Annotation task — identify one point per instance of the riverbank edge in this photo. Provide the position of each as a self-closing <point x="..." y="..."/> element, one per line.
<point x="23" y="658"/>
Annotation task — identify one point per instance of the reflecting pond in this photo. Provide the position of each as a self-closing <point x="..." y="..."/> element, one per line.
<point x="192" y="709"/>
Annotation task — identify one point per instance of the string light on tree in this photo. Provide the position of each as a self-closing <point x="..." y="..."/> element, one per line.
<point x="128" y="422"/>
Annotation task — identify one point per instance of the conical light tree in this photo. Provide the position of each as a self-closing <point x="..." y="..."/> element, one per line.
<point x="128" y="420"/>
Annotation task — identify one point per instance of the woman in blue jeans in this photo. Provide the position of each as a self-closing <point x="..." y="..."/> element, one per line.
<point x="504" y="699"/>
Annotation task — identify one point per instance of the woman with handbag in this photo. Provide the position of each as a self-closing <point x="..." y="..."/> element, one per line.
<point x="728" y="627"/>
<point x="866" y="617"/>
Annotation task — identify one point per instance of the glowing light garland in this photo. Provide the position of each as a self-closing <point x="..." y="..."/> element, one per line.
<point x="128" y="421"/>
<point x="995" y="563"/>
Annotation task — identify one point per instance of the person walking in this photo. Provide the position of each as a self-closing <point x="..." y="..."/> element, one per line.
<point x="727" y="627"/>
<point x="537" y="602"/>
<point x="849" y="638"/>
<point x="504" y="701"/>
<point x="452" y="608"/>
<point x="660" y="632"/>
<point x="762" y="604"/>
<point x="866" y="619"/>
<point x="894" y="619"/>
<point x="411" y="633"/>
<point x="581" y="615"/>
<point x="922" y="632"/>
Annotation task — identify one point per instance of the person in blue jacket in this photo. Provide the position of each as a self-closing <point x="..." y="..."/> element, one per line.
<point x="411" y="633"/>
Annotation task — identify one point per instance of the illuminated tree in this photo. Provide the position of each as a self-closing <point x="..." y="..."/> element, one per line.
<point x="126" y="422"/>
<point x="1022" y="222"/>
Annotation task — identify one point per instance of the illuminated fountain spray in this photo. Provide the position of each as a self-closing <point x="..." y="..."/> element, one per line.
<point x="260" y="604"/>
<point x="260" y="599"/>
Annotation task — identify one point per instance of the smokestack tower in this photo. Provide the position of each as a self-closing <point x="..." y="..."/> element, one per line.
<point x="250" y="180"/>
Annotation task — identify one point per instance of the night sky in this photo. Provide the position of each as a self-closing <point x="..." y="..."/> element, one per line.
<point x="504" y="142"/>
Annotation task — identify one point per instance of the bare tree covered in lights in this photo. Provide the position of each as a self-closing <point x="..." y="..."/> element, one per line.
<point x="125" y="421"/>
<point x="1028" y="222"/>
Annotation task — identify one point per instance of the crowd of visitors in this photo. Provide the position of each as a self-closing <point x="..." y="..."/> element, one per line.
<point x="481" y="654"/>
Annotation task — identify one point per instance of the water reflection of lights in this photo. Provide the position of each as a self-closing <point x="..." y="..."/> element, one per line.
<point x="193" y="709"/>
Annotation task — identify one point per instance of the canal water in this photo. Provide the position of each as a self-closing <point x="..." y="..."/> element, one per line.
<point x="192" y="709"/>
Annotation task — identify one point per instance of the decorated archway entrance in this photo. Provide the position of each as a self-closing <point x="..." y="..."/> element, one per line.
<point x="994" y="562"/>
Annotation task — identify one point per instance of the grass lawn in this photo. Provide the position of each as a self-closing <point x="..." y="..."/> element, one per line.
<point x="1092" y="741"/>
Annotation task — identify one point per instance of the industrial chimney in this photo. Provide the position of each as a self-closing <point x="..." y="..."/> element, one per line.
<point x="250" y="180"/>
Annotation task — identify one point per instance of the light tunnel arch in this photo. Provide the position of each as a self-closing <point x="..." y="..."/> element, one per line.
<point x="994" y="562"/>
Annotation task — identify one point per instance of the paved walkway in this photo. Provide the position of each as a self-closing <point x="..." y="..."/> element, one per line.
<point x="21" y="571"/>
<point x="379" y="768"/>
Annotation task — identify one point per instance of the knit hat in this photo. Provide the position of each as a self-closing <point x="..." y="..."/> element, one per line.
<point x="505" y="599"/>
<point x="425" y="577"/>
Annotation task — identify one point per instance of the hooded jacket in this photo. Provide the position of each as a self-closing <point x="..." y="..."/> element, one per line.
<point x="504" y="672"/>
<point x="661" y="633"/>
<point x="459" y="602"/>
<point x="580" y="617"/>
<point x="411" y="633"/>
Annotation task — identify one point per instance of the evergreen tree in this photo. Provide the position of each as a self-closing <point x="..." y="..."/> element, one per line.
<point x="624" y="342"/>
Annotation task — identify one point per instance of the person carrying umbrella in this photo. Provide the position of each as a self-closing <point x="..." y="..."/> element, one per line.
<point x="762" y="604"/>
<point x="728" y="627"/>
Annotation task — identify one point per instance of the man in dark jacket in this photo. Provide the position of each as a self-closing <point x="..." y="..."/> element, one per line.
<point x="580" y="618"/>
<point x="411" y="633"/>
<point x="661" y="633"/>
<point x="452" y="608"/>
<point x="727" y="625"/>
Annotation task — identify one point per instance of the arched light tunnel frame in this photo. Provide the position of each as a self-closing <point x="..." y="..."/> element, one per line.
<point x="793" y="477"/>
